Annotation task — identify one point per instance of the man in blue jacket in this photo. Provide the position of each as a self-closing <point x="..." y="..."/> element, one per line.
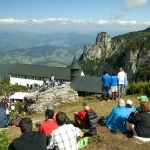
<point x="116" y="121"/>
<point x="106" y="85"/>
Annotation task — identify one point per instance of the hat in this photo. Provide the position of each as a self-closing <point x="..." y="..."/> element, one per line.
<point x="85" y="104"/>
<point x="121" y="103"/>
<point x="129" y="102"/>
<point x="51" y="107"/>
<point x="143" y="99"/>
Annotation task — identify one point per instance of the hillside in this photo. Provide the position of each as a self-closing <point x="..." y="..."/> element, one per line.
<point x="42" y="49"/>
<point x="105" y="140"/>
<point x="130" y="51"/>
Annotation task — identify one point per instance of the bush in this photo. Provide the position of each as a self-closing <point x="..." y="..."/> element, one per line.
<point x="139" y="88"/>
<point x="4" y="140"/>
<point x="16" y="88"/>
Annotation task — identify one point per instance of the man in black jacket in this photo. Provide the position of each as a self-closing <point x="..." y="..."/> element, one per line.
<point x="29" y="140"/>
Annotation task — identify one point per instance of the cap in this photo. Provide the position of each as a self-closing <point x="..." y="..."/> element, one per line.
<point x="121" y="103"/>
<point x="143" y="99"/>
<point x="85" y="104"/>
<point x="51" y="107"/>
<point x="129" y="102"/>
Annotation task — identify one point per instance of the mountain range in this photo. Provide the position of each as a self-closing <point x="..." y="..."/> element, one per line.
<point x="55" y="49"/>
<point x="96" y="53"/>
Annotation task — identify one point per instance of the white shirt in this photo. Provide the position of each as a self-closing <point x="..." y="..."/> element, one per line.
<point x="65" y="137"/>
<point x="121" y="77"/>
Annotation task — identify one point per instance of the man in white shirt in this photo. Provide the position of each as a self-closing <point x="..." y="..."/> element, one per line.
<point x="121" y="78"/>
<point x="65" y="136"/>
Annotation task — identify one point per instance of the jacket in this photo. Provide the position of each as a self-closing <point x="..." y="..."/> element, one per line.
<point x="116" y="121"/>
<point x="141" y="123"/>
<point x="29" y="141"/>
<point x="3" y="118"/>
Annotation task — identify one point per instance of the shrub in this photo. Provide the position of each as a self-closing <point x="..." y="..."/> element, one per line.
<point x="139" y="88"/>
<point x="4" y="140"/>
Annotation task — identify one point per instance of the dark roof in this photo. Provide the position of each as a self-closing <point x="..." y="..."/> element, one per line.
<point x="40" y="71"/>
<point x="74" y="64"/>
<point x="87" y="84"/>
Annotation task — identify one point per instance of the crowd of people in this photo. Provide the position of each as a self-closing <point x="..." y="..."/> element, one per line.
<point x="115" y="85"/>
<point x="58" y="132"/>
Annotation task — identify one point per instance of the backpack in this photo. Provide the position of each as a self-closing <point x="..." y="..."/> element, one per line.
<point x="91" y="119"/>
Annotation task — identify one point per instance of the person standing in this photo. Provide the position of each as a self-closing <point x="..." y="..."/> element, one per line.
<point x="52" y="81"/>
<point x="106" y="79"/>
<point x="29" y="139"/>
<point x="114" y="85"/>
<point x="121" y="78"/>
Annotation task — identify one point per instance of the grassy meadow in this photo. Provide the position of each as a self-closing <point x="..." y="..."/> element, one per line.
<point x="105" y="140"/>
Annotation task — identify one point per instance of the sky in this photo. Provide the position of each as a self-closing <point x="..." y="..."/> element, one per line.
<point x="50" y="16"/>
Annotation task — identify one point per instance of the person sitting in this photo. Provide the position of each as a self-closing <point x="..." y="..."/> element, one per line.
<point x="49" y="125"/>
<point x="3" y="116"/>
<point x="65" y="136"/>
<point x="129" y="106"/>
<point x="80" y="117"/>
<point x="141" y="99"/>
<point x="139" y="122"/>
<point x="51" y="107"/>
<point x="116" y="121"/>
<point x="29" y="139"/>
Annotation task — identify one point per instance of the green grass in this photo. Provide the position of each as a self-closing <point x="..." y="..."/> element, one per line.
<point x="105" y="140"/>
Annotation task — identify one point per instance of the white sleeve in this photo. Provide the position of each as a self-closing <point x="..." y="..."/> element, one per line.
<point x="51" y="142"/>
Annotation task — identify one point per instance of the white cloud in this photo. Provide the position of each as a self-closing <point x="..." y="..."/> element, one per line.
<point x="147" y="23"/>
<point x="11" y="20"/>
<point x="101" y="22"/>
<point x="131" y="4"/>
<point x="133" y="22"/>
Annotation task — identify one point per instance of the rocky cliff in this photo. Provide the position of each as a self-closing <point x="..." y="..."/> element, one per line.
<point x="130" y="51"/>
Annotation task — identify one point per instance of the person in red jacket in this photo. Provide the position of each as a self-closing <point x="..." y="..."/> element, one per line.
<point x="49" y="125"/>
<point x="80" y="117"/>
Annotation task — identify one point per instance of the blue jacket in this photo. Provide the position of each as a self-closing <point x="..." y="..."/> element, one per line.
<point x="114" y="80"/>
<point x="116" y="121"/>
<point x="106" y="80"/>
<point x="3" y="117"/>
<point x="125" y="81"/>
<point x="132" y="109"/>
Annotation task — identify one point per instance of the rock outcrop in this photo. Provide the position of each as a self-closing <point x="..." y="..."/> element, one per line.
<point x="37" y="102"/>
<point x="130" y="51"/>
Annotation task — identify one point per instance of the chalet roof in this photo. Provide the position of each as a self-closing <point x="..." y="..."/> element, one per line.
<point x="40" y="71"/>
<point x="87" y="84"/>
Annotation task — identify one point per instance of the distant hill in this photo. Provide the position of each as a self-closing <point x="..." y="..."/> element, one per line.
<point x="55" y="49"/>
<point x="146" y="30"/>
<point x="16" y="40"/>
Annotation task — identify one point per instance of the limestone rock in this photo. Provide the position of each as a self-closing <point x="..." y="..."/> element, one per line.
<point x="38" y="101"/>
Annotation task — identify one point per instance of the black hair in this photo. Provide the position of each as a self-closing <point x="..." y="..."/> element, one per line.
<point x="113" y="73"/>
<point x="61" y="118"/>
<point x="25" y="125"/>
<point x="49" y="113"/>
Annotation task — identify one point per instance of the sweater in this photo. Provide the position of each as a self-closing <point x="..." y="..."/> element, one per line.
<point x="29" y="141"/>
